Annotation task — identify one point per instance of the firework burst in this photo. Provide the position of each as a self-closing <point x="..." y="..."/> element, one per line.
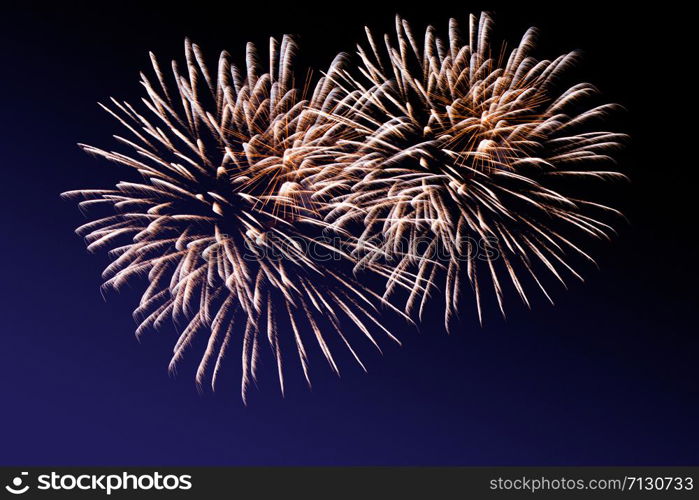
<point x="222" y="219"/>
<point x="436" y="164"/>
<point x="464" y="163"/>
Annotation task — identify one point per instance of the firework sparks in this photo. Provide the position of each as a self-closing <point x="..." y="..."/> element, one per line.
<point x="221" y="219"/>
<point x="464" y="163"/>
<point x="438" y="163"/>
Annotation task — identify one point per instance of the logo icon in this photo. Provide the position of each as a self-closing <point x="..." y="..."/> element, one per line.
<point x="16" y="487"/>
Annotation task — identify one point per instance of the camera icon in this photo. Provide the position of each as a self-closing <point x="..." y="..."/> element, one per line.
<point x="16" y="487"/>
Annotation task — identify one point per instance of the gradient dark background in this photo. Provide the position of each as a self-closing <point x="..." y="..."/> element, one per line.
<point x="607" y="376"/>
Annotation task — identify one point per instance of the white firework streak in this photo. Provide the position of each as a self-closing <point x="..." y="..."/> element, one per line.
<point x="455" y="146"/>
<point x="221" y="221"/>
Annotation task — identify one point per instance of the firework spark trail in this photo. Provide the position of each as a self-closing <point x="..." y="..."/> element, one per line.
<point x="221" y="219"/>
<point x="453" y="145"/>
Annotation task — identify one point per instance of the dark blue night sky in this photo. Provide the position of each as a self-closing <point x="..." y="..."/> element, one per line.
<point x="607" y="376"/>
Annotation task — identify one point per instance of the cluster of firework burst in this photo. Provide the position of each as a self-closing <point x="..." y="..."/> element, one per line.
<point x="426" y="166"/>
